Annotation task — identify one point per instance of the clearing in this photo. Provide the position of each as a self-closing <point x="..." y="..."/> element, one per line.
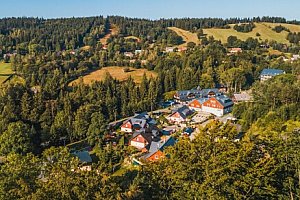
<point x="186" y="35"/>
<point x="5" y="71"/>
<point x="264" y="29"/>
<point x="133" y="38"/>
<point x="116" y="72"/>
<point x="112" y="31"/>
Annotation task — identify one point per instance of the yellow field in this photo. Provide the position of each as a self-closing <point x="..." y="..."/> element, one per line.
<point x="5" y="68"/>
<point x="116" y="72"/>
<point x="186" y="35"/>
<point x="264" y="29"/>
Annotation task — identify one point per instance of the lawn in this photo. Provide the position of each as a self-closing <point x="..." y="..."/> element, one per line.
<point x="264" y="29"/>
<point x="186" y="35"/>
<point x="116" y="72"/>
<point x="5" y="69"/>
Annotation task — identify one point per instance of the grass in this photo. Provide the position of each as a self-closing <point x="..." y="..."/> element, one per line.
<point x="5" y="69"/>
<point x="264" y="29"/>
<point x="186" y="35"/>
<point x="116" y="72"/>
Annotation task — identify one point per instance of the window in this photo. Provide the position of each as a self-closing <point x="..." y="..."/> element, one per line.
<point x="156" y="157"/>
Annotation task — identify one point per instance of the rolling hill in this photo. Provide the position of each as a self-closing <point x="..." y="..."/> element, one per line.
<point x="264" y="29"/>
<point x="116" y="72"/>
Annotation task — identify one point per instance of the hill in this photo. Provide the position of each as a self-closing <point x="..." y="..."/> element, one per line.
<point x="5" y="71"/>
<point x="186" y="35"/>
<point x="264" y="29"/>
<point x="116" y="72"/>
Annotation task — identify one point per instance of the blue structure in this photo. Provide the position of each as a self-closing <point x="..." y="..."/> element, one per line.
<point x="269" y="73"/>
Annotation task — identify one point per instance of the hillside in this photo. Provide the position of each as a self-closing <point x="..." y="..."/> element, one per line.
<point x="116" y="72"/>
<point x="5" y="71"/>
<point x="186" y="35"/>
<point x="264" y="29"/>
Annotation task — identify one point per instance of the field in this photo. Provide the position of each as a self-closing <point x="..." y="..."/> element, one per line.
<point x="133" y="37"/>
<point x="264" y="29"/>
<point x="116" y="72"/>
<point x="186" y="35"/>
<point x="5" y="70"/>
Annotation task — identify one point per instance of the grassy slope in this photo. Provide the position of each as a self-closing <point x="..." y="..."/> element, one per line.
<point x="116" y="72"/>
<point x="186" y="35"/>
<point x="264" y="29"/>
<point x="5" y="68"/>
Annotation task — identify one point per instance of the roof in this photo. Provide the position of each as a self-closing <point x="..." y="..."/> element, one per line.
<point x="83" y="156"/>
<point x="160" y="146"/>
<point x="225" y="101"/>
<point x="146" y="135"/>
<point x="271" y="72"/>
<point x="183" y="111"/>
<point x="184" y="94"/>
<point x="201" y="100"/>
<point x="242" y="97"/>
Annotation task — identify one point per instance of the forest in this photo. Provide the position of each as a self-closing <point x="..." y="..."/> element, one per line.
<point x="42" y="113"/>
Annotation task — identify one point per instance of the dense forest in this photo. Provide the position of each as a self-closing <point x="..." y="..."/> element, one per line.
<point x="42" y="113"/>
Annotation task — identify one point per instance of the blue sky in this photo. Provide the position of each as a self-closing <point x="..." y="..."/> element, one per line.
<point x="151" y="9"/>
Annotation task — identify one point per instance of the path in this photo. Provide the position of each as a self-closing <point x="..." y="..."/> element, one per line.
<point x="112" y="31"/>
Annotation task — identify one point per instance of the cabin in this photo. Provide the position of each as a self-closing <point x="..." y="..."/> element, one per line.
<point x="270" y="73"/>
<point x="219" y="105"/>
<point x="156" y="149"/>
<point x="128" y="54"/>
<point x="180" y="115"/>
<point x="235" y="50"/>
<point x="140" y="139"/>
<point x="170" y="49"/>
<point x="137" y="122"/>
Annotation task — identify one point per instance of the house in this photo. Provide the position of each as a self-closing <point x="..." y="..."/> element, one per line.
<point x="243" y="97"/>
<point x="156" y="150"/>
<point x="136" y="52"/>
<point x="137" y="122"/>
<point x="85" y="159"/>
<point x="188" y="131"/>
<point x="196" y="104"/>
<point x="83" y="156"/>
<point x="140" y="139"/>
<point x="188" y="95"/>
<point x="218" y="105"/>
<point x="170" y="49"/>
<point x="128" y="54"/>
<point x="180" y="115"/>
<point x="269" y="73"/>
<point x="235" y="50"/>
<point x="295" y="58"/>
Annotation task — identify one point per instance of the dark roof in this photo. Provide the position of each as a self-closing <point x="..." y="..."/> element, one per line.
<point x="183" y="111"/>
<point x="271" y="72"/>
<point x="160" y="146"/>
<point x="146" y="135"/>
<point x="225" y="101"/>
<point x="83" y="156"/>
<point x="197" y="93"/>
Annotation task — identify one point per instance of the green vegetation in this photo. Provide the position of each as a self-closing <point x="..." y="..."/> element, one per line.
<point x="244" y="28"/>
<point x="41" y="112"/>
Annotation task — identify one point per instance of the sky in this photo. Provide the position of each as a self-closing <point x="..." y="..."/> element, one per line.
<point x="151" y="9"/>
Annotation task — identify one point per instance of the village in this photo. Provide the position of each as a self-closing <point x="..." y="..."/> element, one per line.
<point x="150" y="133"/>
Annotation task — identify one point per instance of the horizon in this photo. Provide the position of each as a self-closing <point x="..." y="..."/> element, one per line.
<point x="153" y="10"/>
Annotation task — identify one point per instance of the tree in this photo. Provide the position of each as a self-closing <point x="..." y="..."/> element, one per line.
<point x="16" y="139"/>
